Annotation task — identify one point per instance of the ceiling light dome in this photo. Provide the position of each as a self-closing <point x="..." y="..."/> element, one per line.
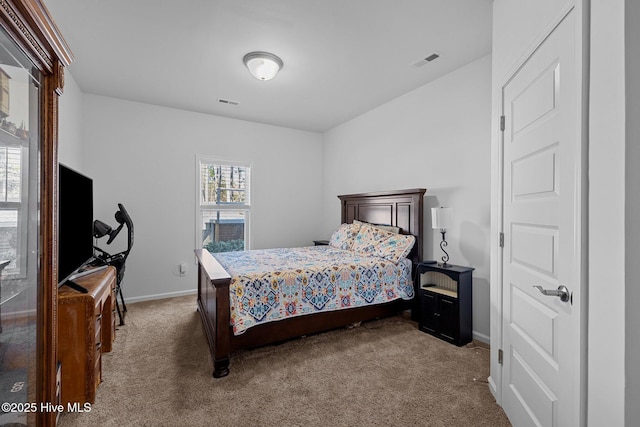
<point x="263" y="65"/>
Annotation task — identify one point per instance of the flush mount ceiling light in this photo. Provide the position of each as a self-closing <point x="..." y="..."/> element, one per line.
<point x="263" y="65"/>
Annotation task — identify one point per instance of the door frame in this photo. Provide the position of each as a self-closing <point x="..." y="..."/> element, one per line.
<point x="581" y="9"/>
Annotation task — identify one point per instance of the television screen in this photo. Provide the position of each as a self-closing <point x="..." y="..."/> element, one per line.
<point x="75" y="221"/>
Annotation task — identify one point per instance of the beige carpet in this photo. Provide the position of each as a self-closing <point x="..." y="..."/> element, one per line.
<point x="383" y="373"/>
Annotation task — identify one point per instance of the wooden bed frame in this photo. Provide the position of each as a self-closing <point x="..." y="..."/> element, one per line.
<point x="403" y="209"/>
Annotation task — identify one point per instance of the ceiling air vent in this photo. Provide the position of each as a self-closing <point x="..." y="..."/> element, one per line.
<point x="227" y="101"/>
<point x="425" y="61"/>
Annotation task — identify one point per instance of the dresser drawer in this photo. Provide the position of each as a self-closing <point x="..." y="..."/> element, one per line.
<point x="98" y="309"/>
<point x="98" y="325"/>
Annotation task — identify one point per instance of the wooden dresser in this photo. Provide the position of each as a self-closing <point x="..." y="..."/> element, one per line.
<point x="86" y="329"/>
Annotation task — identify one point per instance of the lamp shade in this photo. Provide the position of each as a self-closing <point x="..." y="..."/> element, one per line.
<point x="263" y="65"/>
<point x="441" y="218"/>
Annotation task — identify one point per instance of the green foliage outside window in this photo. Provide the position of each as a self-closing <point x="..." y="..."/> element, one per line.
<point x="226" y="246"/>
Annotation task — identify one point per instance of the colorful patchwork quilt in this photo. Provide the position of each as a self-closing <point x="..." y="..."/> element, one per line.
<point x="274" y="284"/>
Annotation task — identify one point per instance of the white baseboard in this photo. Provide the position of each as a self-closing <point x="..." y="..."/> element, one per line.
<point x="492" y="388"/>
<point x="160" y="296"/>
<point x="481" y="337"/>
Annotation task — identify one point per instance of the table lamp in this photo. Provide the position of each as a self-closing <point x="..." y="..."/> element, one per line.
<point x="441" y="219"/>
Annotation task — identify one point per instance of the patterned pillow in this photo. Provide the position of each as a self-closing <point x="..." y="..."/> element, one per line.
<point x="344" y="236"/>
<point x="391" y="228"/>
<point x="395" y="248"/>
<point x="367" y="238"/>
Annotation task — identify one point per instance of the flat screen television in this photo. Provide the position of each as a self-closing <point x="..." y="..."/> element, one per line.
<point x="75" y="221"/>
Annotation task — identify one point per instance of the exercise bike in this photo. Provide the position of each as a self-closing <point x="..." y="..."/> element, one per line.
<point x="100" y="229"/>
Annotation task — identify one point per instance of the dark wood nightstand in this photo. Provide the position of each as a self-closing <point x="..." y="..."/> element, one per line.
<point x="444" y="300"/>
<point x="320" y="242"/>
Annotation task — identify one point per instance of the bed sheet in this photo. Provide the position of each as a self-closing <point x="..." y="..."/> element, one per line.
<point x="273" y="284"/>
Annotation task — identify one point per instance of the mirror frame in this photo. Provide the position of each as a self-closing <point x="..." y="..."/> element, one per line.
<point x="32" y="29"/>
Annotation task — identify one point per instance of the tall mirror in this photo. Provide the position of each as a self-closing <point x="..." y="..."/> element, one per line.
<point x="19" y="228"/>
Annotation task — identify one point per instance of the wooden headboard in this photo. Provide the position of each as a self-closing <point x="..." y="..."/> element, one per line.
<point x="403" y="208"/>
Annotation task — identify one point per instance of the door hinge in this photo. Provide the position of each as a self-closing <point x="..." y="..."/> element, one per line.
<point x="501" y="239"/>
<point x="500" y="356"/>
<point x="502" y="123"/>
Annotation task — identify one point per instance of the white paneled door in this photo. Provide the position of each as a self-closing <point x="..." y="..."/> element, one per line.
<point x="541" y="225"/>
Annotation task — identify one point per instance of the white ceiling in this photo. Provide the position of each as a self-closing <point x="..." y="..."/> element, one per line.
<point x="341" y="57"/>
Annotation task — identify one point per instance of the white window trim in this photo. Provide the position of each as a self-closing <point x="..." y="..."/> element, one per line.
<point x="202" y="158"/>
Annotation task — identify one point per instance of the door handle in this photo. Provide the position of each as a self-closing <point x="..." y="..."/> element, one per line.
<point x="561" y="292"/>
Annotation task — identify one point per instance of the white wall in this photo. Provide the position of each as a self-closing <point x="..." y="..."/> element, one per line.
<point x="436" y="137"/>
<point x="606" y="371"/>
<point x="144" y="157"/>
<point x="70" y="142"/>
<point x="632" y="210"/>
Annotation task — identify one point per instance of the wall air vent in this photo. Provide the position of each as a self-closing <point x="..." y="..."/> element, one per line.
<point x="425" y="61"/>
<point x="227" y="101"/>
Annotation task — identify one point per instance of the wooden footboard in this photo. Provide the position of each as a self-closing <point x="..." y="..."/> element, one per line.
<point x="213" y="304"/>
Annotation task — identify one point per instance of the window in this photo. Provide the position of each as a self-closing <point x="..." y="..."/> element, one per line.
<point x="223" y="205"/>
<point x="10" y="206"/>
<point x="17" y="111"/>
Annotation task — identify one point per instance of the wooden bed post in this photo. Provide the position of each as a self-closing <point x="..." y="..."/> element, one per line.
<point x="213" y="304"/>
<point x="222" y="332"/>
